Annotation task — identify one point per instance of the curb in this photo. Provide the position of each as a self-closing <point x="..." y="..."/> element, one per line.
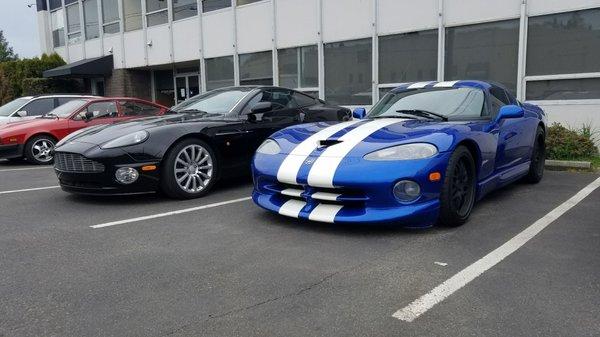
<point x="568" y="164"/>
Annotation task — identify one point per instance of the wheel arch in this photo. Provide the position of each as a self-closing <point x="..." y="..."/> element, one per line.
<point x="475" y="151"/>
<point x="195" y="135"/>
<point x="37" y="134"/>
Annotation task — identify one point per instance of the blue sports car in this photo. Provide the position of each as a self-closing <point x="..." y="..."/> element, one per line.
<point x="422" y="155"/>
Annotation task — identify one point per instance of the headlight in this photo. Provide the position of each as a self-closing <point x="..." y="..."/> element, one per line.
<point x="269" y="146"/>
<point x="127" y="140"/>
<point x="404" y="152"/>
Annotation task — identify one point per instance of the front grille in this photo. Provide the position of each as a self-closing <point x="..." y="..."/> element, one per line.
<point x="327" y="195"/>
<point x="76" y="163"/>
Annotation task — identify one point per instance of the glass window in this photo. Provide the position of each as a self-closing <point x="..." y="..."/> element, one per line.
<point x="214" y="102"/>
<point x="163" y="83"/>
<point x="450" y="102"/>
<point x="219" y="72"/>
<point x="63" y="100"/>
<point x="303" y="99"/>
<point x="39" y="107"/>
<point x="348" y="72"/>
<point x="281" y="99"/>
<point x="408" y="57"/>
<point x="130" y="108"/>
<point x="110" y="16"/>
<point x="12" y="106"/>
<point x="54" y="4"/>
<point x="298" y="67"/>
<point x="256" y="68"/>
<point x="184" y="9"/>
<point x="158" y="18"/>
<point x="102" y="110"/>
<point x="68" y="2"/>
<point x="586" y="88"/>
<point x="213" y="5"/>
<point x="564" y="43"/>
<point x="68" y="108"/>
<point x="245" y="2"/>
<point x="155" y="5"/>
<point x="73" y="24"/>
<point x="58" y="28"/>
<point x="486" y="51"/>
<point x="90" y="17"/>
<point x="132" y="14"/>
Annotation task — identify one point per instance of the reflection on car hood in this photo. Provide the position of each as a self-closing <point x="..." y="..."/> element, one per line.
<point x="366" y="136"/>
<point x="101" y="134"/>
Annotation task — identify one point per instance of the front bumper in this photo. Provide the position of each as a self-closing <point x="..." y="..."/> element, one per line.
<point x="9" y="151"/>
<point x="363" y="192"/>
<point x="104" y="182"/>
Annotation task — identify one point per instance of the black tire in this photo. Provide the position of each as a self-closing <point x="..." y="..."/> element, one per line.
<point x="39" y="150"/>
<point x="458" y="190"/>
<point x="169" y="183"/>
<point x="538" y="158"/>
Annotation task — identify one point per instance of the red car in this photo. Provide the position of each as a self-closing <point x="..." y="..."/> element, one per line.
<point x="34" y="139"/>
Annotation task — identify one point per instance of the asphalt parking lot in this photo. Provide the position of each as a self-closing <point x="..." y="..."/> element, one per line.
<point x="219" y="266"/>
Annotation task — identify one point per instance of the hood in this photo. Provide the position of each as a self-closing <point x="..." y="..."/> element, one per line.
<point x="20" y="125"/>
<point x="359" y="137"/>
<point x="101" y="134"/>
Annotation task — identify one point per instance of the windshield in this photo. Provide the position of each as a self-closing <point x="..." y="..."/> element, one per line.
<point x="214" y="102"/>
<point x="68" y="108"/>
<point x="12" y="106"/>
<point x="447" y="102"/>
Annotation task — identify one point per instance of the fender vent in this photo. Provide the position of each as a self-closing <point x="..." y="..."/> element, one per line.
<point x="328" y="142"/>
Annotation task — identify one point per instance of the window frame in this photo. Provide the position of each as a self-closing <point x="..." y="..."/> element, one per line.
<point x="147" y="14"/>
<point x="63" y="29"/>
<point x="110" y="23"/>
<point x="299" y="75"/>
<point x="77" y="34"/>
<point x="187" y="17"/>
<point x="141" y="14"/>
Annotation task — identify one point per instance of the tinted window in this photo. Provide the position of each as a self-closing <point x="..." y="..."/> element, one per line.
<point x="486" y="51"/>
<point x="132" y="14"/>
<point x="90" y="17"/>
<point x="219" y="72"/>
<point x="54" y="4"/>
<point x="585" y="88"/>
<point x="184" y="9"/>
<point x="298" y="67"/>
<point x="130" y="109"/>
<point x="302" y="99"/>
<point x="39" y="107"/>
<point x="348" y="72"/>
<point x="564" y="43"/>
<point x="408" y="57"/>
<point x="500" y="94"/>
<point x="213" y="5"/>
<point x="102" y="109"/>
<point x="455" y="102"/>
<point x="63" y="100"/>
<point x="158" y="18"/>
<point x="215" y="102"/>
<point x="245" y="2"/>
<point x="256" y="68"/>
<point x="281" y="99"/>
<point x="155" y="5"/>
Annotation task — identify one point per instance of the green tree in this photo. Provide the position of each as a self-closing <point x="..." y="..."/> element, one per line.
<point x="6" y="51"/>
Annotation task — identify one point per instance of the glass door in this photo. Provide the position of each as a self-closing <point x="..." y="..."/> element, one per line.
<point x="186" y="86"/>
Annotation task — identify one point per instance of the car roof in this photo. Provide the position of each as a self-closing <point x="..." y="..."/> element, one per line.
<point x="484" y="85"/>
<point x="61" y="95"/>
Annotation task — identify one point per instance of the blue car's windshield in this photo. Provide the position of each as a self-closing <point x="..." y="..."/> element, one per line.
<point x="446" y="102"/>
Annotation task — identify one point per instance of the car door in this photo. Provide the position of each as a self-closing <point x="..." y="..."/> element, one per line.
<point x="104" y="112"/>
<point x="510" y="131"/>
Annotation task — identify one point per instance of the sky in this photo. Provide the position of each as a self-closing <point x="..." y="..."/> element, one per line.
<point x="19" y="24"/>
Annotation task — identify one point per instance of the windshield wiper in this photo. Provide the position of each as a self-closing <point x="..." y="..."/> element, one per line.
<point x="424" y="113"/>
<point x="400" y="115"/>
<point x="193" y="111"/>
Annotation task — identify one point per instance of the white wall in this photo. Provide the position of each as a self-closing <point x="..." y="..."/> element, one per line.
<point x="296" y="23"/>
<point x="217" y="28"/>
<point x="255" y="27"/>
<point x="135" y="52"/>
<point x="347" y="19"/>
<point x="400" y="16"/>
<point x="186" y="40"/>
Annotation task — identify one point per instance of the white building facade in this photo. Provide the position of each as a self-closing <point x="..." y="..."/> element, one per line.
<point x="348" y="52"/>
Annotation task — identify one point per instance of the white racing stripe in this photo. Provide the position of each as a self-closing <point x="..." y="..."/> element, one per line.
<point x="324" y="213"/>
<point x="462" y="278"/>
<point x="288" y="171"/>
<point x="29" y="189"/>
<point x="161" y="215"/>
<point x="28" y="168"/>
<point x="292" y="208"/>
<point x="419" y="85"/>
<point x="292" y="192"/>
<point x="446" y="84"/>
<point x="325" y="196"/>
<point x="322" y="172"/>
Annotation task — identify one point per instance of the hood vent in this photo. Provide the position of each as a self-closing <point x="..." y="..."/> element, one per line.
<point x="328" y="142"/>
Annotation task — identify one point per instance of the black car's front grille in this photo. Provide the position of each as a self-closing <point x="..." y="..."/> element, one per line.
<point x="76" y="163"/>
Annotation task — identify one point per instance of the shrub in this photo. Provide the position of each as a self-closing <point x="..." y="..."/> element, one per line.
<point x="565" y="143"/>
<point x="40" y="86"/>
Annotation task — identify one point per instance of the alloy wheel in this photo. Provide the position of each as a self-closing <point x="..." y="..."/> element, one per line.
<point x="193" y="168"/>
<point x="42" y="150"/>
<point x="462" y="188"/>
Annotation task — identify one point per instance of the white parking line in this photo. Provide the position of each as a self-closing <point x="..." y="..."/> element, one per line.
<point x="29" y="189"/>
<point x="27" y="168"/>
<point x="462" y="278"/>
<point x="161" y="215"/>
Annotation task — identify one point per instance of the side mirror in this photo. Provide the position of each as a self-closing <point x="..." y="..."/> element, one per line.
<point x="261" y="107"/>
<point x="22" y="113"/>
<point x="359" y="113"/>
<point x="87" y="115"/>
<point x="510" y="111"/>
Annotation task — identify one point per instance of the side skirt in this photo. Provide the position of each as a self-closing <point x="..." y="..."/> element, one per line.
<point x="502" y="178"/>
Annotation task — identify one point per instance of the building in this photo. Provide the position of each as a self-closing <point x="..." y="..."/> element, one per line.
<point x="347" y="51"/>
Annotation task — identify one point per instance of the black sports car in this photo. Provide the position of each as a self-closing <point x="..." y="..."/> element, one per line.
<point x="184" y="154"/>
